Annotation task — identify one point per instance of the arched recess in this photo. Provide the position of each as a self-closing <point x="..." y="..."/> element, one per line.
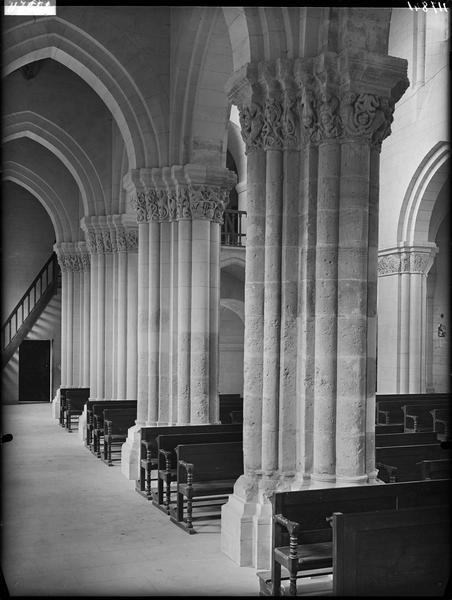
<point x="421" y="194"/>
<point x="54" y="138"/>
<point x="62" y="41"/>
<point x="46" y="195"/>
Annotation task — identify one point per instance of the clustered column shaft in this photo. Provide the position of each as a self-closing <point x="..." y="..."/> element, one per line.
<point x="312" y="136"/>
<point x="75" y="319"/>
<point x="179" y="211"/>
<point x="113" y="305"/>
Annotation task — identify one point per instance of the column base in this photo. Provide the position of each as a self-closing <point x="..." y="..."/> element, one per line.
<point x="56" y="405"/>
<point x="246" y="519"/>
<point x="246" y="523"/>
<point x="130" y="454"/>
<point x="81" y="432"/>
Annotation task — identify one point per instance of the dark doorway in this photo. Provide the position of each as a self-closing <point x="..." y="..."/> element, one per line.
<point x="34" y="371"/>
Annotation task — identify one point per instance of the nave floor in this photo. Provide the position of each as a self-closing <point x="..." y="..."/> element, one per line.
<point x="74" y="527"/>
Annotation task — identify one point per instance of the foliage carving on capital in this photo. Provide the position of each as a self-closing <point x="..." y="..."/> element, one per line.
<point x="132" y="239"/>
<point x="138" y="202"/>
<point x="388" y="264"/>
<point x="183" y="203"/>
<point x="208" y="202"/>
<point x="367" y="116"/>
<point x="172" y="205"/>
<point x="91" y="241"/>
<point x="152" y="206"/>
<point x="290" y="121"/>
<point x="108" y="243"/>
<point x="329" y="119"/>
<point x="99" y="242"/>
<point x="272" y="129"/>
<point x="85" y="261"/>
<point x="252" y="124"/>
<point x="121" y="239"/>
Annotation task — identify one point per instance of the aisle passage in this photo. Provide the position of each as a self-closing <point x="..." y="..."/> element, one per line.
<point x="73" y="526"/>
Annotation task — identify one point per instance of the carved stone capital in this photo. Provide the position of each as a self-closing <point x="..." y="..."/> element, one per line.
<point x="208" y="202"/>
<point x="138" y="203"/>
<point x="287" y="103"/>
<point x="407" y="260"/>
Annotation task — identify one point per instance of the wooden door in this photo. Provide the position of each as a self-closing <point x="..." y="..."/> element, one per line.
<point x="34" y="371"/>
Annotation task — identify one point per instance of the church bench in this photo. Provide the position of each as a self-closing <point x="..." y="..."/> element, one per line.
<point x="391" y="553"/>
<point x="148" y="448"/>
<point x="405" y="439"/>
<point x="441" y="422"/>
<point x="167" y="459"/>
<point x="418" y="417"/>
<point x="301" y="533"/>
<point x="204" y="471"/>
<point x="389" y="428"/>
<point x="63" y="392"/>
<point x="96" y="416"/>
<point x="117" y="422"/>
<point x="89" y="414"/>
<point x="229" y="403"/>
<point x="440" y="468"/>
<point x="75" y="403"/>
<point x="388" y="407"/>
<point x="404" y="458"/>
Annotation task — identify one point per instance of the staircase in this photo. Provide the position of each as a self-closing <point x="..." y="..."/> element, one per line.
<point x="29" y="308"/>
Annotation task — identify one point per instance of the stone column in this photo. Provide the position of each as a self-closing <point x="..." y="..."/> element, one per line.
<point x="69" y="258"/>
<point x="179" y="213"/>
<point x="402" y="327"/>
<point x="310" y="278"/>
<point x="85" y="311"/>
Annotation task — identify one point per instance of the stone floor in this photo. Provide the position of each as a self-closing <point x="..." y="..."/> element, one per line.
<point x="72" y="526"/>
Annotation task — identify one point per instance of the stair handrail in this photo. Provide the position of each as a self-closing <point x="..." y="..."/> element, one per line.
<point x="52" y="260"/>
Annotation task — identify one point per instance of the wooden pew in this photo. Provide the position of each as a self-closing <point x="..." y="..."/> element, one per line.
<point x="435" y="469"/>
<point x="302" y="536"/>
<point x="167" y="459"/>
<point x="441" y="422"/>
<point x="74" y="404"/>
<point x="389" y="428"/>
<point x="405" y="439"/>
<point x="388" y="407"/>
<point x="204" y="471"/>
<point x="117" y="422"/>
<point x="63" y="391"/>
<point x="392" y="552"/>
<point x="404" y="458"/>
<point x="229" y="403"/>
<point x="419" y="417"/>
<point x="148" y="449"/>
<point x="97" y="416"/>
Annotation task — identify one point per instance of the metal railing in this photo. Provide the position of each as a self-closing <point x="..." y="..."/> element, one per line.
<point x="232" y="229"/>
<point x="27" y="310"/>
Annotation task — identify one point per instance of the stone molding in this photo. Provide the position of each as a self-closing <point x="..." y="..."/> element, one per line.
<point x="287" y="103"/>
<point x="181" y="193"/>
<point x="406" y="260"/>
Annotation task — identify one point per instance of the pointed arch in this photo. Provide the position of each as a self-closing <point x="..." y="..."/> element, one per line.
<point x="64" y="42"/>
<point x="46" y="195"/>
<point x="61" y="144"/>
<point x="419" y="201"/>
